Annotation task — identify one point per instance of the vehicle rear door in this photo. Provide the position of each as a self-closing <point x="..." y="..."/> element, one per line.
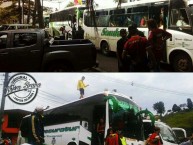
<point x="3" y="52"/>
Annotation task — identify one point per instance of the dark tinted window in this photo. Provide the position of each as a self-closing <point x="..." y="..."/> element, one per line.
<point x="24" y="39"/>
<point x="3" y="41"/>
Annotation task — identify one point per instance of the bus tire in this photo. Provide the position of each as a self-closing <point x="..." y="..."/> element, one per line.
<point x="59" y="67"/>
<point x="72" y="143"/>
<point x="105" y="48"/>
<point x="182" y="63"/>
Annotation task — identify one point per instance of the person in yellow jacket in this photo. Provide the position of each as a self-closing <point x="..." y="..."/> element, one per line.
<point x="122" y="138"/>
<point x="81" y="86"/>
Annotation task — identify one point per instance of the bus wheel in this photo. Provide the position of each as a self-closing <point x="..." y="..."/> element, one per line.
<point x="105" y="48"/>
<point x="182" y="63"/>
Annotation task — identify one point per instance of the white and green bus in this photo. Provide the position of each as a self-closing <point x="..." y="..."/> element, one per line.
<point x="167" y="13"/>
<point x="70" y="17"/>
<point x="75" y="123"/>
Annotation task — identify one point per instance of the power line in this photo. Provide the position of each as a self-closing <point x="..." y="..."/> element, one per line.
<point x="54" y="96"/>
<point x="51" y="99"/>
<point x="133" y="84"/>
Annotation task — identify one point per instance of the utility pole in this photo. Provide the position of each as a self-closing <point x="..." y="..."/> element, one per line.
<point x="3" y="101"/>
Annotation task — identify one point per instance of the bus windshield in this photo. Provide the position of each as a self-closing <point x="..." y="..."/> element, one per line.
<point x="125" y="118"/>
<point x="166" y="133"/>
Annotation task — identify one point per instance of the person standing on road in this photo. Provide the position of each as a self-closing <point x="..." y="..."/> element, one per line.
<point x="65" y="33"/>
<point x="156" y="41"/>
<point x="154" y="138"/>
<point x="140" y="33"/>
<point x="81" y="86"/>
<point x="135" y="49"/>
<point x="37" y="127"/>
<point x="120" y="44"/>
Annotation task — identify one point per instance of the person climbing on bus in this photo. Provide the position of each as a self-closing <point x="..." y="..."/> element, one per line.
<point x="100" y="131"/>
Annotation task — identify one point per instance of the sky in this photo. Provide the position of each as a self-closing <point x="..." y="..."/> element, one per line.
<point x="60" y="4"/>
<point x="145" y="88"/>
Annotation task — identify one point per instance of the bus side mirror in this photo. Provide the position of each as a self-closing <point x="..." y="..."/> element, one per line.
<point x="180" y="133"/>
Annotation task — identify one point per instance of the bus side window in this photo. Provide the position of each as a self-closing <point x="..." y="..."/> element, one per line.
<point x="112" y="21"/>
<point x="143" y="21"/>
<point x="174" y="16"/>
<point x="128" y="20"/>
<point x="103" y="21"/>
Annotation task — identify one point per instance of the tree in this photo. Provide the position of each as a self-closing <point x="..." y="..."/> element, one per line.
<point x="159" y="107"/>
<point x="176" y="108"/>
<point x="189" y="103"/>
<point x="70" y="4"/>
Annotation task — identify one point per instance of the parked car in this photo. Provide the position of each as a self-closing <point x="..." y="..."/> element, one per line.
<point x="14" y="26"/>
<point x="31" y="50"/>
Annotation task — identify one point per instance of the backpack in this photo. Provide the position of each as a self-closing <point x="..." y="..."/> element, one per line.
<point x="25" y="126"/>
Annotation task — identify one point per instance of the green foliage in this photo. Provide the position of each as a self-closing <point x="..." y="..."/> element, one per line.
<point x="182" y="119"/>
<point x="159" y="107"/>
<point x="176" y="108"/>
<point x="70" y="4"/>
<point x="6" y="14"/>
<point x="189" y="103"/>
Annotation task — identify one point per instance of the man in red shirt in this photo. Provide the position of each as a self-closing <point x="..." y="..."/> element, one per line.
<point x="156" y="41"/>
<point x="135" y="47"/>
<point x="154" y="139"/>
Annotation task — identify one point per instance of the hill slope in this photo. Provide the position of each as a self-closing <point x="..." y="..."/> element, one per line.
<point x="181" y="119"/>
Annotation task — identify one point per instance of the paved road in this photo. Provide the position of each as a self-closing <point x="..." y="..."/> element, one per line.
<point x="109" y="64"/>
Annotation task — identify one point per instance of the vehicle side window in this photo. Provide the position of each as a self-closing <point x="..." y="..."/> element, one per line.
<point x="12" y="28"/>
<point x="3" y="41"/>
<point x="103" y="21"/>
<point x="24" y="39"/>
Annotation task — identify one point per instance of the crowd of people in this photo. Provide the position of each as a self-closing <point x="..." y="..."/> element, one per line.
<point x="5" y="141"/>
<point x="136" y="53"/>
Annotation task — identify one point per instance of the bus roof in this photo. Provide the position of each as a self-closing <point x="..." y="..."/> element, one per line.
<point x="135" y="3"/>
<point x="72" y="7"/>
<point x="94" y="99"/>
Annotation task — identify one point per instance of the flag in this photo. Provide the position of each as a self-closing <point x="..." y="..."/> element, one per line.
<point x="76" y="2"/>
<point x="80" y="2"/>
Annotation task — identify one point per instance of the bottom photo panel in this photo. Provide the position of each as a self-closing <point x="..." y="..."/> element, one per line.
<point x="96" y="109"/>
